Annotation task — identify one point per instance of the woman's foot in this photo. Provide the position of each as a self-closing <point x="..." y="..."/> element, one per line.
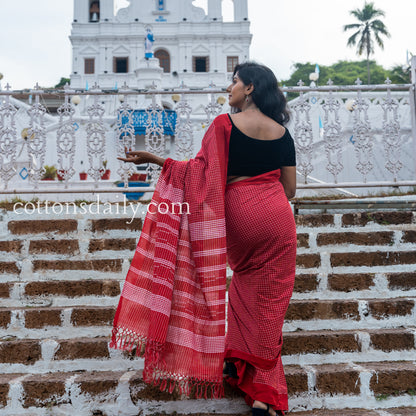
<point x="260" y="405"/>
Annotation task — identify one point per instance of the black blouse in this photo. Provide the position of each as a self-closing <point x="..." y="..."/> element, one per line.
<point x="252" y="157"/>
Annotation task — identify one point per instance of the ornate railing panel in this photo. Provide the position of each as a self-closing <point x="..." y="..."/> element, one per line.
<point x="349" y="136"/>
<point x="8" y="139"/>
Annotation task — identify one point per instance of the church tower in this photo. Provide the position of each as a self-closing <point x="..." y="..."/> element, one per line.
<point x="240" y="10"/>
<point x="93" y="11"/>
<point x="191" y="46"/>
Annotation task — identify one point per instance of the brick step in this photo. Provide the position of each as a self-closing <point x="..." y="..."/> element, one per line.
<point x="393" y="344"/>
<point x="317" y="311"/>
<point x="310" y="387"/>
<point x="338" y="284"/>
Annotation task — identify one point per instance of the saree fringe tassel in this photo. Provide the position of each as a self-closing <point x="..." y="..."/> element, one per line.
<point x="167" y="382"/>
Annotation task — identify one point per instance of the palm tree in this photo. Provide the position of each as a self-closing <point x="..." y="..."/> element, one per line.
<point x="369" y="26"/>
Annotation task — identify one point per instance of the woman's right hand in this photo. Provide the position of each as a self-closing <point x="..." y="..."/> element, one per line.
<point x="141" y="157"/>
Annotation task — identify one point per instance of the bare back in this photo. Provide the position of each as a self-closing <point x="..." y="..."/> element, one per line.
<point x="257" y="125"/>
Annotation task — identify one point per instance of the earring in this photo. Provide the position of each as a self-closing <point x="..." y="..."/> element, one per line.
<point x="247" y="98"/>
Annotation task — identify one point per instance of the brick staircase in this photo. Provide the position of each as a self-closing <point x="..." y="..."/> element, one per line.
<point x="349" y="335"/>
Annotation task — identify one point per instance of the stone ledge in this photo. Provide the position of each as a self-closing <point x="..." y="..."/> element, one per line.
<point x="374" y="258"/>
<point x="42" y="226"/>
<point x="106" y="224"/>
<point x="115" y="244"/>
<point x="14" y="246"/>
<point x="312" y="309"/>
<point x="73" y="289"/>
<point x="9" y="267"/>
<point x="392" y="378"/>
<point x="70" y="247"/>
<point x="381" y="218"/>
<point x="23" y="352"/>
<point x="350" y="282"/>
<point x="319" y="342"/>
<point x="103" y="265"/>
<point x="402" y="281"/>
<point x="314" y="220"/>
<point x="362" y="239"/>
<point x="392" y="340"/>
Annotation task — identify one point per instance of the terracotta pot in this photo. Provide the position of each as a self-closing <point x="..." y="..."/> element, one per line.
<point x="60" y="174"/>
<point x="83" y="176"/>
<point x="106" y="174"/>
<point x="134" y="177"/>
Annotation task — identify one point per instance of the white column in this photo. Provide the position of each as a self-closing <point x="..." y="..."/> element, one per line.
<point x="214" y="9"/>
<point x="106" y="10"/>
<point x="81" y="11"/>
<point x="240" y="10"/>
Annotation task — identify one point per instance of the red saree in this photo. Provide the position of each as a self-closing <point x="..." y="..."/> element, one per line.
<point x="172" y="307"/>
<point x="261" y="248"/>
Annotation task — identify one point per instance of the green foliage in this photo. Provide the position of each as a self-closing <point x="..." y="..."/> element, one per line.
<point x="346" y="73"/>
<point x="400" y="75"/>
<point x="62" y="82"/>
<point x="49" y="172"/>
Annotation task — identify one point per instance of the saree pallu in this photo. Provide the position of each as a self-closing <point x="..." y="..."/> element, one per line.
<point x="172" y="306"/>
<point x="261" y="249"/>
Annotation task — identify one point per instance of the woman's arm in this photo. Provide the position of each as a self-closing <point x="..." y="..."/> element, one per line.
<point x="138" y="158"/>
<point x="288" y="180"/>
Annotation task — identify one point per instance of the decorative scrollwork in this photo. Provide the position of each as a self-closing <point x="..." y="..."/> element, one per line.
<point x="332" y="133"/>
<point x="184" y="134"/>
<point x="302" y="134"/>
<point x="391" y="133"/>
<point x="65" y="142"/>
<point x="96" y="136"/>
<point x="362" y="134"/>
<point x="8" y="138"/>
<point x="212" y="109"/>
<point x="36" y="145"/>
<point x="154" y="138"/>
<point x="125" y="136"/>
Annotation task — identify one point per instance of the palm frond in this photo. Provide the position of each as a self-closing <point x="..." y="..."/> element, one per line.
<point x="351" y="26"/>
<point x="352" y="40"/>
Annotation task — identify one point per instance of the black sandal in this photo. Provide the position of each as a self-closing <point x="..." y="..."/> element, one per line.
<point x="230" y="370"/>
<point x="260" y="412"/>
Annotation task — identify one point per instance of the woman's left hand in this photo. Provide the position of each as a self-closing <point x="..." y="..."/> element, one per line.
<point x="141" y="157"/>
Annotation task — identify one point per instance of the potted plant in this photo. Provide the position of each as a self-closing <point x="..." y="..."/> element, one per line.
<point x="83" y="175"/>
<point x="60" y="173"/>
<point x="106" y="172"/>
<point x="49" y="173"/>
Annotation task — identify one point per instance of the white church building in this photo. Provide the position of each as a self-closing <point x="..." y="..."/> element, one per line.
<point x="193" y="48"/>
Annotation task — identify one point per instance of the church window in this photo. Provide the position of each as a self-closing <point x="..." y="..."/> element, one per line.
<point x="89" y="66"/>
<point x="200" y="63"/>
<point x="232" y="62"/>
<point x="121" y="65"/>
<point x="164" y="59"/>
<point x="94" y="11"/>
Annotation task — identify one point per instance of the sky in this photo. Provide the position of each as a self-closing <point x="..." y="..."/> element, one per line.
<point x="35" y="46"/>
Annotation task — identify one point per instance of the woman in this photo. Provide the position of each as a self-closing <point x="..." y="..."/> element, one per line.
<point x="243" y="174"/>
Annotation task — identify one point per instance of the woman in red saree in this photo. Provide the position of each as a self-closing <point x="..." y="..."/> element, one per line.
<point x="172" y="308"/>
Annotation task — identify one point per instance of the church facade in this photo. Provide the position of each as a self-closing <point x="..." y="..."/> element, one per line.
<point x="192" y="47"/>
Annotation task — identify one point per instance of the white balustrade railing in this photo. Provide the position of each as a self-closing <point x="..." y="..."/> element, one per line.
<point x="354" y="136"/>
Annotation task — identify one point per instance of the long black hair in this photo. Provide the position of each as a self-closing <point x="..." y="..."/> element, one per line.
<point x="266" y="94"/>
